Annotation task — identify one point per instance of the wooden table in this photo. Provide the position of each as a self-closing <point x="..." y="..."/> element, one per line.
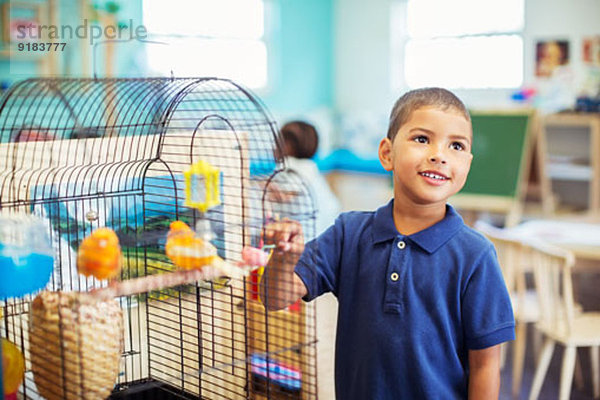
<point x="582" y="238"/>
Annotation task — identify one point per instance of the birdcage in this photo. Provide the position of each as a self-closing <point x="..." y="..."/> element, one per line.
<point x="81" y="154"/>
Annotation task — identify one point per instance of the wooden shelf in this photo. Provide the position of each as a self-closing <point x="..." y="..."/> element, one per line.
<point x="570" y="172"/>
<point x="570" y="161"/>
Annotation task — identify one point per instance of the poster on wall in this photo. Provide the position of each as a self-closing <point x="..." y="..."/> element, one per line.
<point x="591" y="51"/>
<point x="549" y="56"/>
<point x="19" y="18"/>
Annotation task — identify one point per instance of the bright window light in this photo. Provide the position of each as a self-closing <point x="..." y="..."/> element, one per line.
<point x="208" y="38"/>
<point x="435" y="18"/>
<point x="470" y="62"/>
<point x="241" y="60"/>
<point x="224" y="18"/>
<point x="467" y="44"/>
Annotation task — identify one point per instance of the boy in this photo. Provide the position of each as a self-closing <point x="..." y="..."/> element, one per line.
<point x="423" y="306"/>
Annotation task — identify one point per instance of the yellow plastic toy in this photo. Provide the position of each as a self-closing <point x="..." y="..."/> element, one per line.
<point x="13" y="367"/>
<point x="192" y="249"/>
<point x="202" y="186"/>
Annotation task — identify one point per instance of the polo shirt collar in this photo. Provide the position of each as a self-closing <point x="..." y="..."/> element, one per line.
<point x="429" y="239"/>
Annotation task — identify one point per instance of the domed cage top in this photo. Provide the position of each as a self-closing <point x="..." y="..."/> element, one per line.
<point x="81" y="154"/>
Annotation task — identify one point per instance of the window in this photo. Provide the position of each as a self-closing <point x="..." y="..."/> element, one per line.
<point x="208" y="38"/>
<point x="467" y="44"/>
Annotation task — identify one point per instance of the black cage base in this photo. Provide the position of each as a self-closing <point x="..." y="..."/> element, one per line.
<point x="150" y="390"/>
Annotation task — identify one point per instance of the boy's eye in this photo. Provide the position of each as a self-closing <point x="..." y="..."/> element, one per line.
<point x="421" y="139"/>
<point x="457" y="146"/>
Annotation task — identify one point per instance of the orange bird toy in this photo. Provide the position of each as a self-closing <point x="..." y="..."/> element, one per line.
<point x="186" y="250"/>
<point x="99" y="254"/>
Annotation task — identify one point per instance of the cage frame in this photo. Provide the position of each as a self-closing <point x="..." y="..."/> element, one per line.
<point x="122" y="143"/>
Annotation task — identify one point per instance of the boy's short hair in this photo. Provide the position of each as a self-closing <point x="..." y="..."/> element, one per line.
<point x="301" y="138"/>
<point x="425" y="97"/>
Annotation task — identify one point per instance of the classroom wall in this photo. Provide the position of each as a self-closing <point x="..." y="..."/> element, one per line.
<point x="331" y="61"/>
<point x="362" y="55"/>
<point x="300" y="44"/>
<point x="299" y="39"/>
<point x="74" y="60"/>
<point x="368" y="51"/>
<point x="363" y="48"/>
<point x="559" y="19"/>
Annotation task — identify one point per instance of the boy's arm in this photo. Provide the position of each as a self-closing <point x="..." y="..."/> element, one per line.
<point x="280" y="286"/>
<point x="484" y="373"/>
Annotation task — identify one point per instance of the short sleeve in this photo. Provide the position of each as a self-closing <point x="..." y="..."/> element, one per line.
<point x="319" y="264"/>
<point x="486" y="307"/>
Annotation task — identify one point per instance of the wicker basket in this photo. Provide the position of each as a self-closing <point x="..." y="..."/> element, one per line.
<point x="75" y="345"/>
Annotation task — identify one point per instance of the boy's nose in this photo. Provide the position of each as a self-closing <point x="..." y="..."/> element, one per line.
<point x="437" y="159"/>
<point x="437" y="154"/>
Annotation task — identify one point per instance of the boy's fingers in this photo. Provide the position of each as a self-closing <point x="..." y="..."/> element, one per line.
<point x="284" y="231"/>
<point x="289" y="248"/>
<point x="293" y="247"/>
<point x="273" y="230"/>
<point x="284" y="246"/>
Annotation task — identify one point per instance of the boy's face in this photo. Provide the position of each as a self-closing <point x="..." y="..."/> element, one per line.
<point x="430" y="156"/>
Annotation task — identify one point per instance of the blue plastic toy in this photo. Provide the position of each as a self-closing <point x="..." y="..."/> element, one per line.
<point x="26" y="256"/>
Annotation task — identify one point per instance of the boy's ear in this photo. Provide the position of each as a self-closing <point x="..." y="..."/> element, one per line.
<point x="385" y="154"/>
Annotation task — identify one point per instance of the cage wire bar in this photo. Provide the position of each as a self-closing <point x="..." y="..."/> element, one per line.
<point x="88" y="153"/>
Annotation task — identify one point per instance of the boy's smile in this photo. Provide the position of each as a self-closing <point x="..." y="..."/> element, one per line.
<point x="430" y="156"/>
<point x="434" y="178"/>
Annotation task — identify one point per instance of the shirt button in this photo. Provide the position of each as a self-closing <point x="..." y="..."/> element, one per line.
<point x="401" y="245"/>
<point x="394" y="276"/>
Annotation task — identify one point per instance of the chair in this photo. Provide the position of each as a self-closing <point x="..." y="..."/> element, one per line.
<point x="515" y="266"/>
<point x="559" y="320"/>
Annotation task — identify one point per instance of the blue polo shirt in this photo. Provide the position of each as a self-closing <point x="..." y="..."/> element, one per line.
<point x="410" y="307"/>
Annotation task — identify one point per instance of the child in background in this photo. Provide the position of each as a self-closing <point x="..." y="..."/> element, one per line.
<point x="300" y="143"/>
<point x="423" y="307"/>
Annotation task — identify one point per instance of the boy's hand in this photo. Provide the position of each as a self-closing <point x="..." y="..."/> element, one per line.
<point x="286" y="235"/>
<point x="280" y="286"/>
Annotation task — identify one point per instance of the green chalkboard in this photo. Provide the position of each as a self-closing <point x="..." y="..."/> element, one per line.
<point x="500" y="146"/>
